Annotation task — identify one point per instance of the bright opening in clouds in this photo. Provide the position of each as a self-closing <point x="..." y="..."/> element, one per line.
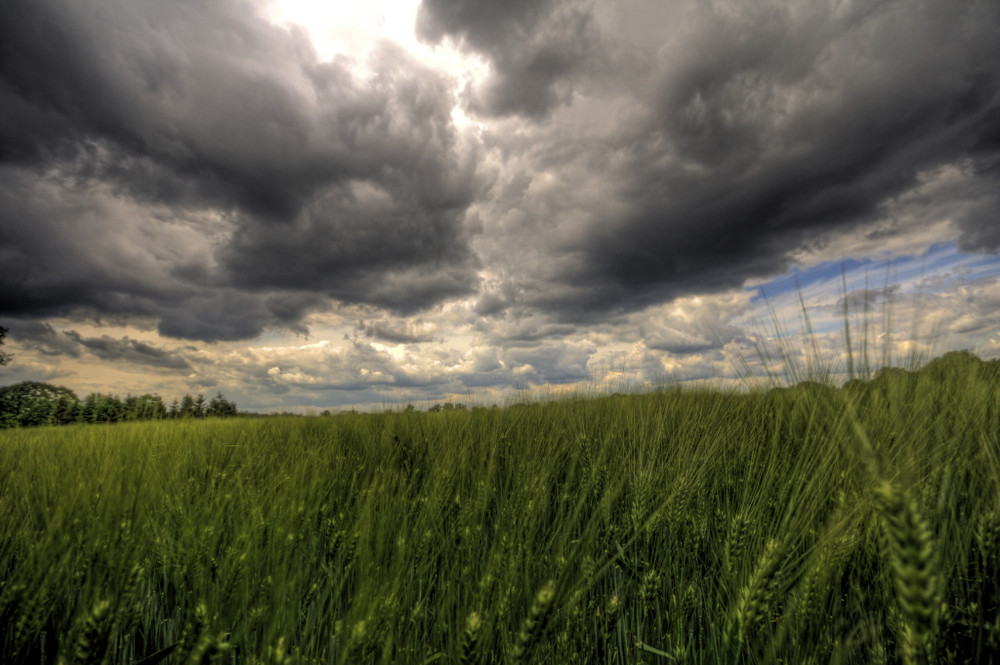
<point x="315" y="204"/>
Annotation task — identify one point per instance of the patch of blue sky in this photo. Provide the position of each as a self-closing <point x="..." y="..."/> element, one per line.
<point x="797" y="278"/>
<point x="941" y="267"/>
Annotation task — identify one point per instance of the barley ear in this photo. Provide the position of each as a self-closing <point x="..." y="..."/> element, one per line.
<point x="736" y="542"/>
<point x="193" y="630"/>
<point x="128" y="607"/>
<point x="988" y="536"/>
<point x="470" y="639"/>
<point x="532" y="626"/>
<point x="278" y="654"/>
<point x="209" y="649"/>
<point x="910" y="546"/>
<point x="91" y="642"/>
<point x="642" y="499"/>
<point x="755" y="599"/>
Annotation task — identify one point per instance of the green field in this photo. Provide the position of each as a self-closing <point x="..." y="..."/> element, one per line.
<point x="804" y="525"/>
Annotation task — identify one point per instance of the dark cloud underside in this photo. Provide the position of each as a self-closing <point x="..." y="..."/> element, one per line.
<point x="194" y="165"/>
<point x="320" y="182"/>
<point x="749" y="132"/>
<point x="534" y="49"/>
<point x="50" y="342"/>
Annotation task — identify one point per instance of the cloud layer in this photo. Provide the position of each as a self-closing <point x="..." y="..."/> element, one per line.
<point x="269" y="175"/>
<point x="601" y="194"/>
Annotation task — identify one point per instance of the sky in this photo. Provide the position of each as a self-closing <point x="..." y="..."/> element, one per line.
<point x="312" y="205"/>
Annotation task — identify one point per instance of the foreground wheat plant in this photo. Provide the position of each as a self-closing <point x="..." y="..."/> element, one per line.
<point x="756" y="597"/>
<point x="910" y="545"/>
<point x="533" y="624"/>
<point x="94" y="633"/>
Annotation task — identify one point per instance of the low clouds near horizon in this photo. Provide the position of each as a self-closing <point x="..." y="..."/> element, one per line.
<point x="197" y="170"/>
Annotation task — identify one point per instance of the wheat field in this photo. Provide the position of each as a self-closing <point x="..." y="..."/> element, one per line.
<point x="800" y="525"/>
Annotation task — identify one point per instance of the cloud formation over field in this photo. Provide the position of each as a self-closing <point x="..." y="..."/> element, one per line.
<point x="201" y="173"/>
<point x="291" y="180"/>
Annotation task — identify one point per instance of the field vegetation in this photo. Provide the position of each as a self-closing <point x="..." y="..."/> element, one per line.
<point x="801" y="525"/>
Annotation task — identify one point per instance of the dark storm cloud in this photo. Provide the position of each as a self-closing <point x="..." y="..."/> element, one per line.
<point x="534" y="49"/>
<point x="194" y="165"/>
<point x="130" y="350"/>
<point x="394" y="332"/>
<point x="325" y="185"/>
<point x="44" y="338"/>
<point x="757" y="130"/>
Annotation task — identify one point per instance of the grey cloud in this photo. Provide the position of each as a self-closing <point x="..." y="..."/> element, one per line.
<point x="524" y="328"/>
<point x="72" y="249"/>
<point x="324" y="185"/>
<point x="394" y="332"/>
<point x="762" y="130"/>
<point x="979" y="222"/>
<point x="553" y="362"/>
<point x="357" y="368"/>
<point x="42" y="337"/>
<point x="195" y="166"/>
<point x="680" y="345"/>
<point x="865" y="299"/>
<point x="534" y="49"/>
<point x="60" y="251"/>
<point x="219" y="314"/>
<point x="130" y="350"/>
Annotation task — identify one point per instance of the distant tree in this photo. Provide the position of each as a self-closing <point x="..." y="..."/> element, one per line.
<point x="4" y="357"/>
<point x="31" y="403"/>
<point x="98" y="408"/>
<point x="85" y="414"/>
<point x="219" y="406"/>
<point x="67" y="409"/>
<point x="187" y="407"/>
<point x="153" y="407"/>
<point x="199" y="406"/>
<point x="174" y="410"/>
<point x="144" y="407"/>
<point x="131" y="404"/>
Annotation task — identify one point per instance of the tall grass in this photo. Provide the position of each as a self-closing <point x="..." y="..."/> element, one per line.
<point x="808" y="524"/>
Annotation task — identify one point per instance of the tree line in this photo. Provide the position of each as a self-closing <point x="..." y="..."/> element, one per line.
<point x="32" y="403"/>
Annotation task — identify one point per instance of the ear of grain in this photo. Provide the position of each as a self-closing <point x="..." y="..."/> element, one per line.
<point x="91" y="642"/>
<point x="756" y="597"/>
<point x="277" y="654"/>
<point x="910" y="546"/>
<point x="736" y="543"/>
<point x="533" y="624"/>
<point x="825" y="563"/>
<point x="209" y="649"/>
<point x="470" y="640"/>
<point x="988" y="536"/>
<point x="193" y="631"/>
